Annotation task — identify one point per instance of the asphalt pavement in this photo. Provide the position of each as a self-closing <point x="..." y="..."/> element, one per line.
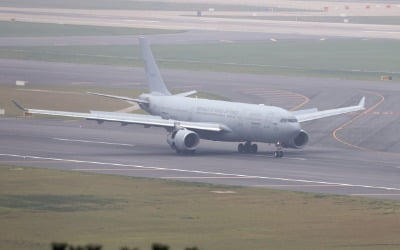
<point x="354" y="154"/>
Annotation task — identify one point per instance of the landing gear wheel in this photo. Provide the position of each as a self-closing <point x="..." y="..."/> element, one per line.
<point x="254" y="148"/>
<point x="247" y="147"/>
<point x="278" y="154"/>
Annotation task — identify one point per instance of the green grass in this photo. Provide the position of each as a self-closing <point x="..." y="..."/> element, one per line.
<point x="352" y="59"/>
<point x="39" y="206"/>
<point x="27" y="29"/>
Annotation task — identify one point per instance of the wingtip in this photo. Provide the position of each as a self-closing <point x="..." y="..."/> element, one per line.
<point x="19" y="106"/>
<point x="362" y="102"/>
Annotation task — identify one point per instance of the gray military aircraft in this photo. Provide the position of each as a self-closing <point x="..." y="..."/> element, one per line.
<point x="188" y="120"/>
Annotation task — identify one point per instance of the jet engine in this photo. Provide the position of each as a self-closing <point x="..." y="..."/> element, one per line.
<point x="183" y="140"/>
<point x="299" y="141"/>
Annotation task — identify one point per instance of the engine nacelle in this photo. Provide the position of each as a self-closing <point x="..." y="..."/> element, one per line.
<point x="183" y="140"/>
<point x="299" y="141"/>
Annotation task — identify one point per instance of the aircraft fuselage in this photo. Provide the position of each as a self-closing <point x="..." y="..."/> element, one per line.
<point x="247" y="122"/>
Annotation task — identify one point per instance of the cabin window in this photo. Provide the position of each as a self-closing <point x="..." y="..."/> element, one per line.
<point x="291" y="120"/>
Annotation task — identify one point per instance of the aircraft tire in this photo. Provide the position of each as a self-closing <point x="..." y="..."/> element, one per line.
<point x="278" y="154"/>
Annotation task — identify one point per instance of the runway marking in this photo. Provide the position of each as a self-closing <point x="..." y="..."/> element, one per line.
<point x="278" y="93"/>
<point x="304" y="185"/>
<point x="51" y="91"/>
<point x="285" y="157"/>
<point x="133" y="107"/>
<point x="222" y="192"/>
<point x="139" y="20"/>
<point x="381" y="31"/>
<point x="94" y="142"/>
<point x="202" y="172"/>
<point x="111" y="169"/>
<point x="336" y="137"/>
<point x="208" y="177"/>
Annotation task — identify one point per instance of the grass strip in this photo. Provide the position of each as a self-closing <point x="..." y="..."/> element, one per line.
<point x="38" y="206"/>
<point x="347" y="58"/>
<point x="28" y="29"/>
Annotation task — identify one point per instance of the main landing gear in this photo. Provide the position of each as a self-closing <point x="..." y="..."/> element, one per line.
<point x="247" y="147"/>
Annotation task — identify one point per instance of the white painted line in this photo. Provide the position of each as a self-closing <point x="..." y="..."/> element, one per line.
<point x="144" y="21"/>
<point x="111" y="169"/>
<point x="381" y="31"/>
<point x="294" y="158"/>
<point x="208" y="177"/>
<point x="290" y="158"/>
<point x="51" y="91"/>
<point x="305" y="185"/>
<point x="201" y="172"/>
<point x="95" y="142"/>
<point x="222" y="192"/>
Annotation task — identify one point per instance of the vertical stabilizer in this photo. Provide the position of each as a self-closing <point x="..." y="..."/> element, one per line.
<point x="154" y="79"/>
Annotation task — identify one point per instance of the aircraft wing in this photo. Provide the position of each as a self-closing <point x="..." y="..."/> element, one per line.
<point x="125" y="119"/>
<point x="309" y="116"/>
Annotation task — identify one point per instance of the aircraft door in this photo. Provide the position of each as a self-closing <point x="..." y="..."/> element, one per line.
<point x="271" y="127"/>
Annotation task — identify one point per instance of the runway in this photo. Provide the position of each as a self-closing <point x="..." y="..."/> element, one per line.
<point x="355" y="154"/>
<point x="185" y="20"/>
<point x="110" y="149"/>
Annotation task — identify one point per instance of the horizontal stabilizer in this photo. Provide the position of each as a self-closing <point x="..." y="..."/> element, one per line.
<point x="120" y="97"/>
<point x="192" y="92"/>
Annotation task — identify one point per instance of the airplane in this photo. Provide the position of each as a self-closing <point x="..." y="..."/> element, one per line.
<point x="187" y="119"/>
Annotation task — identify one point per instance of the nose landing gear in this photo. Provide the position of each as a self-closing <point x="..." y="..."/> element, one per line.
<point x="247" y="147"/>
<point x="278" y="153"/>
